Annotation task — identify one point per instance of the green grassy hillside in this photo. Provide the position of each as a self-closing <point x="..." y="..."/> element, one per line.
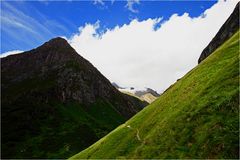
<point x="51" y="128"/>
<point x="197" y="117"/>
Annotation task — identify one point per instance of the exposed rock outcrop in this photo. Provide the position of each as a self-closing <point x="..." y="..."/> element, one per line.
<point x="74" y="77"/>
<point x="230" y="27"/>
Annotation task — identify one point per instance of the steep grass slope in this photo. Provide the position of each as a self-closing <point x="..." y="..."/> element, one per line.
<point x="197" y="117"/>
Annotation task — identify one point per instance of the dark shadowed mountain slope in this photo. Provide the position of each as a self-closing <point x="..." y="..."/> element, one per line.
<point x="54" y="102"/>
<point x="230" y="27"/>
<point x="197" y="117"/>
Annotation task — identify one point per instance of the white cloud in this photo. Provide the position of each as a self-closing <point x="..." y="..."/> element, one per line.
<point x="98" y="2"/>
<point x="10" y="53"/>
<point x="137" y="55"/>
<point x="130" y="4"/>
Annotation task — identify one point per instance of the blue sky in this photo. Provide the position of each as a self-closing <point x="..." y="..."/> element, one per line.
<point x="27" y="24"/>
<point x="134" y="43"/>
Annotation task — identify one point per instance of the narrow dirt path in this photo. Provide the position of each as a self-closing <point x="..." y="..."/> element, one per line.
<point x="137" y="133"/>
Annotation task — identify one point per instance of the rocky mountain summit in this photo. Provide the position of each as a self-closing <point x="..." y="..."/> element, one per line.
<point x="74" y="77"/>
<point x="230" y="27"/>
<point x="51" y="94"/>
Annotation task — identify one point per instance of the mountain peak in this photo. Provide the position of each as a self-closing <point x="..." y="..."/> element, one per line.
<point x="56" y="49"/>
<point x="56" y="42"/>
<point x="52" y="86"/>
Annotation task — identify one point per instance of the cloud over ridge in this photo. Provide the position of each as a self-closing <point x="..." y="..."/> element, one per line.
<point x="137" y="55"/>
<point x="140" y="55"/>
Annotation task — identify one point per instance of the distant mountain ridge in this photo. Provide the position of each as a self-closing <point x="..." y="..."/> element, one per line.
<point x="117" y="86"/>
<point x="147" y="94"/>
<point x="148" y="90"/>
<point x="50" y="95"/>
<point x="230" y="27"/>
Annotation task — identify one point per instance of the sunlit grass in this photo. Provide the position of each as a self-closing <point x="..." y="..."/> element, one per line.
<point x="196" y="118"/>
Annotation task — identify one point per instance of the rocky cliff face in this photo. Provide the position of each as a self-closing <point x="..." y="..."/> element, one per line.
<point x="55" y="103"/>
<point x="230" y="27"/>
<point x="74" y="77"/>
